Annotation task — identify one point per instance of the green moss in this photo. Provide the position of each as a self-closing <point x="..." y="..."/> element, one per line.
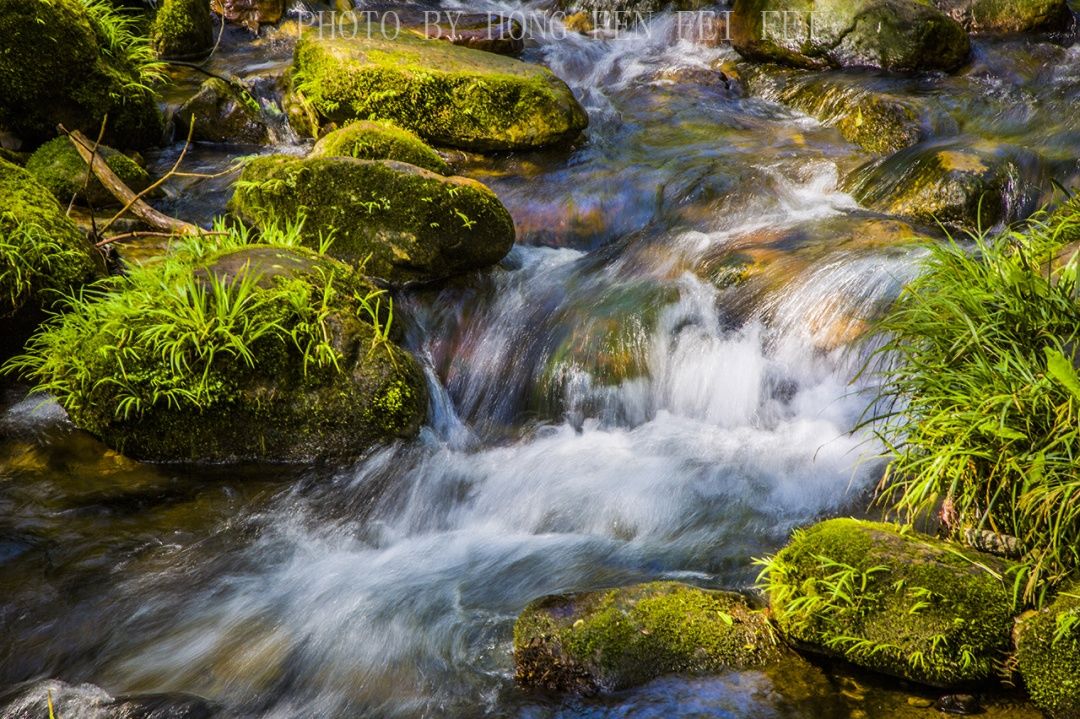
<point x="54" y="70"/>
<point x="893" y="601"/>
<point x="42" y="253"/>
<point x="374" y="140"/>
<point x="1008" y="16"/>
<point x="446" y="94"/>
<point x="250" y="352"/>
<point x="183" y="28"/>
<point x="1048" y="655"/>
<point x="618" y="638"/>
<point x="402" y="223"/>
<point x="58" y="166"/>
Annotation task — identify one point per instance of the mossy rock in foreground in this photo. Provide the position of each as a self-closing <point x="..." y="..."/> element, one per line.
<point x="402" y="223"/>
<point x="374" y="140"/>
<point x="614" y="639"/>
<point x="447" y="94"/>
<point x="279" y="399"/>
<point x="1048" y="655"/>
<point x="893" y="601"/>
<point x="53" y="70"/>
<point x="985" y="17"/>
<point x="58" y="166"/>
<point x="43" y="255"/>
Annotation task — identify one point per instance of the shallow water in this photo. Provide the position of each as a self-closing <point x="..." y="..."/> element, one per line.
<point x="609" y="407"/>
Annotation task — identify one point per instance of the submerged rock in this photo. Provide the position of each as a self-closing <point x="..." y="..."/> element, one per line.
<point x="1048" y="655"/>
<point x="961" y="185"/>
<point x="319" y="379"/>
<point x="87" y="701"/>
<point x="183" y="29"/>
<point x="446" y="94"/>
<point x="223" y="114"/>
<point x="375" y="140"/>
<point x="614" y="639"/>
<point x="53" y="70"/>
<point x="42" y="253"/>
<point x="400" y="222"/>
<point x="897" y="35"/>
<point x="1007" y="16"/>
<point x="893" y="601"/>
<point x="58" y="166"/>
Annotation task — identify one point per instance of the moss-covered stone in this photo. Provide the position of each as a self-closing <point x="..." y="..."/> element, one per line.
<point x="375" y="140"/>
<point x="183" y="29"/>
<point x="42" y="253"/>
<point x="223" y="113"/>
<point x="608" y="640"/>
<point x="962" y="185"/>
<point x="401" y="222"/>
<point x="1048" y="655"/>
<point x="893" y="601"/>
<point x="898" y="35"/>
<point x="446" y="94"/>
<point x="58" y="166"/>
<point x="878" y="122"/>
<point x="985" y="17"/>
<point x="281" y="400"/>
<point x="53" y="71"/>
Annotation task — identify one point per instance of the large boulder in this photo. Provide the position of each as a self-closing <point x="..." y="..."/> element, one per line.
<point x="183" y="29"/>
<point x="402" y="223"/>
<point x="1048" y="655"/>
<point x="224" y="113"/>
<point x="893" y="601"/>
<point x="375" y="140"/>
<point x="58" y="166"/>
<point x="984" y="17"/>
<point x="54" y="70"/>
<point x="43" y="255"/>
<point x="962" y="185"/>
<point x="614" y="639"/>
<point x="896" y="35"/>
<point x="447" y="94"/>
<point x="258" y="353"/>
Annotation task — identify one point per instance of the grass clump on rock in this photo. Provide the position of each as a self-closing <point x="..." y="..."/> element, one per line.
<point x="893" y="601"/>
<point x="980" y="401"/>
<point x="614" y="639"/>
<point x="229" y="350"/>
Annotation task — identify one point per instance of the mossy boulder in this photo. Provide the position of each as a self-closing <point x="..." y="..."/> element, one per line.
<point x="223" y="113"/>
<point x="614" y="639"/>
<point x="183" y="29"/>
<point x="378" y="140"/>
<point x="446" y="94"/>
<point x="43" y="255"/>
<point x="961" y="185"/>
<point x="58" y="166"/>
<point x="880" y="122"/>
<point x="53" y="70"/>
<point x="984" y="17"/>
<point x="402" y="223"/>
<point x="1048" y="655"/>
<point x="896" y="35"/>
<point x="289" y="365"/>
<point x="893" y="601"/>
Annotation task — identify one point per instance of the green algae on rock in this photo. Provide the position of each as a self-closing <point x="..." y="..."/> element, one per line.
<point x="58" y="166"/>
<point x="893" y="601"/>
<point x="614" y="639"/>
<point x="222" y="113"/>
<point x="986" y="17"/>
<point x="375" y="140"/>
<point x="1048" y="655"/>
<point x="401" y="223"/>
<point x="183" y="29"/>
<point x="43" y="255"/>
<point x="255" y="352"/>
<point x="56" y="69"/>
<point x="896" y="35"/>
<point x="447" y="94"/>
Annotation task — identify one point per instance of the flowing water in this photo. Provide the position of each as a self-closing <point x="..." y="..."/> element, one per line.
<point x="609" y="406"/>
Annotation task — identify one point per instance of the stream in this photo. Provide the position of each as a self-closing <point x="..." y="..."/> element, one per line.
<point x="609" y="407"/>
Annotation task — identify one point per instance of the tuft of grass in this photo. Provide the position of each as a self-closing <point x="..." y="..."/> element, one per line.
<point x="29" y="257"/>
<point x="979" y="405"/>
<point x="123" y="39"/>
